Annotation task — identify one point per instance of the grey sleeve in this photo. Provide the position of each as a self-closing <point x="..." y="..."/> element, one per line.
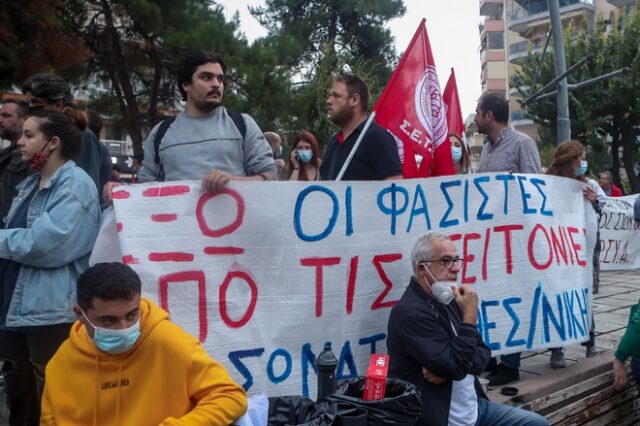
<point x="529" y="158"/>
<point x="258" y="157"/>
<point x="149" y="171"/>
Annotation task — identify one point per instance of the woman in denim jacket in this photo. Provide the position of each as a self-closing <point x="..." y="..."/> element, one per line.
<point x="45" y="245"/>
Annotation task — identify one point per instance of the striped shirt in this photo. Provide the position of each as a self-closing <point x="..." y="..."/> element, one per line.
<point x="513" y="152"/>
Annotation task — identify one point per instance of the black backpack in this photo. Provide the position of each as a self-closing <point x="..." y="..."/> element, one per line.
<point x="164" y="126"/>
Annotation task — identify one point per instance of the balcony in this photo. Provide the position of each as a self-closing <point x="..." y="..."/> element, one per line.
<point x="491" y="7"/>
<point x="519" y="119"/>
<point x="524" y="14"/>
<point x="616" y="3"/>
<point x="522" y="49"/>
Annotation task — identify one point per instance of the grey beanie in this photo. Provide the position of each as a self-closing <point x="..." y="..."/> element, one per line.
<point x="49" y="87"/>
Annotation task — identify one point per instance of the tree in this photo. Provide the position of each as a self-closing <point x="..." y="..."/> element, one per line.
<point x="609" y="109"/>
<point x="314" y="38"/>
<point x="32" y="40"/>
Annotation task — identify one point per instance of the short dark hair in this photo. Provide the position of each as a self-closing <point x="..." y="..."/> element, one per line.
<point x="49" y="87"/>
<point x="107" y="281"/>
<point x="355" y="85"/>
<point x="189" y="65"/>
<point x="22" y="108"/>
<point x="67" y="125"/>
<point x="497" y="104"/>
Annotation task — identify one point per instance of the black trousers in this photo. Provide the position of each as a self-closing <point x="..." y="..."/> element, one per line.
<point x="25" y="354"/>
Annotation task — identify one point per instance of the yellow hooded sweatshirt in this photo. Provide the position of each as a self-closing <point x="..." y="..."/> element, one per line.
<point x="166" y="378"/>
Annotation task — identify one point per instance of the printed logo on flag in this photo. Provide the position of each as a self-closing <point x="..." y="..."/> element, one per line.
<point x="429" y="107"/>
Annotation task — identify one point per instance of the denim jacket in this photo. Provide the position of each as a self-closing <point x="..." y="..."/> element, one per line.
<point x="54" y="249"/>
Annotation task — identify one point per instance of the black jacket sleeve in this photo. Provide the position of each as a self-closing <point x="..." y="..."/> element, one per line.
<point x="435" y="345"/>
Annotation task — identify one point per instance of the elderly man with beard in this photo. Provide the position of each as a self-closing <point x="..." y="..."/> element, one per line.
<point x="206" y="141"/>
<point x="377" y="156"/>
<point x="12" y="169"/>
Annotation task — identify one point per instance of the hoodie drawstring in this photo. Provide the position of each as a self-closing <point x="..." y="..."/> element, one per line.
<point x="119" y="378"/>
<point x="95" y="404"/>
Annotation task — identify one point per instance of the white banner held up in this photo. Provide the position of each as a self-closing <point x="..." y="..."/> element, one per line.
<point x="265" y="273"/>
<point x="619" y="235"/>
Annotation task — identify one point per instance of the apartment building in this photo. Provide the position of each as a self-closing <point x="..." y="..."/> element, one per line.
<point x="513" y="29"/>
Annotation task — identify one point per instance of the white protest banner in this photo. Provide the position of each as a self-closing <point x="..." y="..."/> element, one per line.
<point x="619" y="235"/>
<point x="265" y="273"/>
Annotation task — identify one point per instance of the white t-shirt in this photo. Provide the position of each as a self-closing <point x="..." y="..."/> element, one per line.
<point x="463" y="410"/>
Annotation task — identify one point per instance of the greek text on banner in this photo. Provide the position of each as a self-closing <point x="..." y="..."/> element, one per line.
<point x="264" y="273"/>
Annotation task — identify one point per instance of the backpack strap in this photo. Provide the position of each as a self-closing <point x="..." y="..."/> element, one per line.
<point x="164" y="126"/>
<point x="238" y="120"/>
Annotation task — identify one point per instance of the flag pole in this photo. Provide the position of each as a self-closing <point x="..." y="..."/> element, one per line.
<point x="355" y="146"/>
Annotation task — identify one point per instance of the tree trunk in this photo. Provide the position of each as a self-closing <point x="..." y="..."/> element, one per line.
<point x="615" y="149"/>
<point x="120" y="78"/>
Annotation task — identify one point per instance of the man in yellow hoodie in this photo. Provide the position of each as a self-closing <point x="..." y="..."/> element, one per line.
<point x="125" y="363"/>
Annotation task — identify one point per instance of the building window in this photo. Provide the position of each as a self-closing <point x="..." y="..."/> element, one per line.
<point x="495" y="40"/>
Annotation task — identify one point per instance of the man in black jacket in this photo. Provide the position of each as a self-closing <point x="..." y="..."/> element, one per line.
<point x="433" y="343"/>
<point x="12" y="169"/>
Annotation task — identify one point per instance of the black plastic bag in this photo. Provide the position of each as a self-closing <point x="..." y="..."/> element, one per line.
<point x="300" y="411"/>
<point x="401" y="405"/>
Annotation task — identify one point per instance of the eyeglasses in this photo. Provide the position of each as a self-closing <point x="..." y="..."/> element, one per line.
<point x="447" y="262"/>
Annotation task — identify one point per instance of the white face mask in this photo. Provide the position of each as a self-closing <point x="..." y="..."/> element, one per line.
<point x="442" y="289"/>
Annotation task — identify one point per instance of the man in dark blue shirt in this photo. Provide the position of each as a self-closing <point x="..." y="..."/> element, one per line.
<point x="377" y="156"/>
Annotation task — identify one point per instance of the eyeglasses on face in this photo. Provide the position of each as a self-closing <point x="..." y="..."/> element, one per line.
<point x="447" y="262"/>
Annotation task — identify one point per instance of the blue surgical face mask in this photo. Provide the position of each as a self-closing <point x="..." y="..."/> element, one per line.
<point x="456" y="153"/>
<point x="115" y="341"/>
<point x="279" y="151"/>
<point x="305" y="155"/>
<point x="583" y="168"/>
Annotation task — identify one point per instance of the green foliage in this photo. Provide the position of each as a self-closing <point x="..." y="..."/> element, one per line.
<point x="314" y="38"/>
<point x="604" y="115"/>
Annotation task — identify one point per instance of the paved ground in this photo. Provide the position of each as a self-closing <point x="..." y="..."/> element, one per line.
<point x="619" y="290"/>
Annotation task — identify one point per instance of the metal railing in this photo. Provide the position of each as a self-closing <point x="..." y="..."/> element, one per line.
<point x="522" y="9"/>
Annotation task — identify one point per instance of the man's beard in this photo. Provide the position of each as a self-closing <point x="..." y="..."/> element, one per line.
<point x="9" y="134"/>
<point x="207" y="106"/>
<point x="342" y="117"/>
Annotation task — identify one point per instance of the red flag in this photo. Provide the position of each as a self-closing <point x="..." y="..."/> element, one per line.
<point x="452" y="101"/>
<point x="411" y="108"/>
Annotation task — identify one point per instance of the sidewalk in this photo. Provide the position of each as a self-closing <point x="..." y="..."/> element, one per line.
<point x="619" y="290"/>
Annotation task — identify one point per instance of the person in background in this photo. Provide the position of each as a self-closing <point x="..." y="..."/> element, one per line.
<point x="629" y="346"/>
<point x="304" y="161"/>
<point x="460" y="154"/>
<point x="126" y="363"/>
<point x="275" y="141"/>
<point x="506" y="150"/>
<point x="50" y="231"/>
<point x="51" y="92"/>
<point x="13" y="169"/>
<point x="569" y="161"/>
<point x="377" y="156"/>
<point x="606" y="183"/>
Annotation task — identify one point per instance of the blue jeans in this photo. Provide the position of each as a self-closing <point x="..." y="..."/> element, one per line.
<point x="511" y="360"/>
<point x="492" y="414"/>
